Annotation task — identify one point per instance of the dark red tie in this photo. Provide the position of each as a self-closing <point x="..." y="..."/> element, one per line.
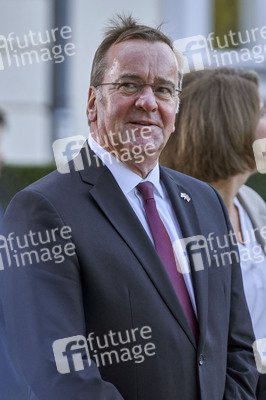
<point x="165" y="250"/>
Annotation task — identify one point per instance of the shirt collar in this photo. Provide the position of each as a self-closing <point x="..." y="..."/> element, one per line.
<point x="126" y="179"/>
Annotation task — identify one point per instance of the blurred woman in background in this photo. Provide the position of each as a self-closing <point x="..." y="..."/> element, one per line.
<point x="218" y="121"/>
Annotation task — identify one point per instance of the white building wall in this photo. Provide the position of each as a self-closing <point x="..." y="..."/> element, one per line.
<point x="187" y="18"/>
<point x="25" y="94"/>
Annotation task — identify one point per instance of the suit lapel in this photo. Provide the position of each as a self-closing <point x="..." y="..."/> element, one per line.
<point x="189" y="224"/>
<point x="116" y="208"/>
<point x="111" y="200"/>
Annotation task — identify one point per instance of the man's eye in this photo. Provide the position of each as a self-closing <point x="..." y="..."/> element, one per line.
<point x="163" y="90"/>
<point x="129" y="86"/>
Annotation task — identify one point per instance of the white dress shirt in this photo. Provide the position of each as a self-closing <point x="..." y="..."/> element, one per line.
<point x="127" y="181"/>
<point x="253" y="266"/>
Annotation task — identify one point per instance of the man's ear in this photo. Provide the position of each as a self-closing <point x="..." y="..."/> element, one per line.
<point x="173" y="129"/>
<point x="91" y="106"/>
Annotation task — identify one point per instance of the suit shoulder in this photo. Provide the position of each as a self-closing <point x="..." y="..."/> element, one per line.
<point x="253" y="204"/>
<point x="251" y="196"/>
<point x="202" y="192"/>
<point x="187" y="180"/>
<point x="47" y="188"/>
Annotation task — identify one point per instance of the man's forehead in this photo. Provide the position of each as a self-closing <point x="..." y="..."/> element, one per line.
<point x="141" y="56"/>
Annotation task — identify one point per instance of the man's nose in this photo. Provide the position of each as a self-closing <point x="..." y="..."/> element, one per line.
<point x="146" y="100"/>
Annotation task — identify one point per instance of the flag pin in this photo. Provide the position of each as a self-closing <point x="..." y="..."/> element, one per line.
<point x="186" y="197"/>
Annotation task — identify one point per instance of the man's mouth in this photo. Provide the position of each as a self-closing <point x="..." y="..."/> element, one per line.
<point x="144" y="123"/>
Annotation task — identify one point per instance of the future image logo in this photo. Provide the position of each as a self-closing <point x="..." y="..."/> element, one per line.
<point x="33" y="248"/>
<point x="197" y="247"/>
<point x="5" y="258"/>
<point x="195" y="52"/>
<point x="65" y="150"/>
<point x="71" y="352"/>
<point x="76" y="353"/>
<point x="36" y="47"/>
<point x="259" y="349"/>
<point x="259" y="149"/>
<point x="200" y="252"/>
<point x="232" y="48"/>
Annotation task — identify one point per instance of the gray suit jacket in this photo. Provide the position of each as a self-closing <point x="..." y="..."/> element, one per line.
<point x="255" y="207"/>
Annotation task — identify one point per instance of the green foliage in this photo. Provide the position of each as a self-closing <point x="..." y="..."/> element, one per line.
<point x="226" y="18"/>
<point x="15" y="178"/>
<point x="258" y="183"/>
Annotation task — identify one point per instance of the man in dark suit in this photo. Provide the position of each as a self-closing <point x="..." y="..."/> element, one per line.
<point x="97" y="304"/>
<point x="10" y="381"/>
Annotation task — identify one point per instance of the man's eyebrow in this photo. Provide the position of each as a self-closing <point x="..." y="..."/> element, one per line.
<point x="130" y="76"/>
<point x="138" y="77"/>
<point x="164" y="81"/>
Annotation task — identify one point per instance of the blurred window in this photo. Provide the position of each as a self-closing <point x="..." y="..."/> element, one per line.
<point x="226" y="13"/>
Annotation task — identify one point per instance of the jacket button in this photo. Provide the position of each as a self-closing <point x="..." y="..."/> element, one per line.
<point x="201" y="359"/>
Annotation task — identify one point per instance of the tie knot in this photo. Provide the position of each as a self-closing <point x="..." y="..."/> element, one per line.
<point x="146" y="190"/>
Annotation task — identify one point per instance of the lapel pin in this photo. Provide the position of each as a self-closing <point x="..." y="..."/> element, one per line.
<point x="186" y="197"/>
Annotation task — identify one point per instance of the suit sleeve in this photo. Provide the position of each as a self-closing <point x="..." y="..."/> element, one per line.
<point x="41" y="290"/>
<point x="242" y="375"/>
